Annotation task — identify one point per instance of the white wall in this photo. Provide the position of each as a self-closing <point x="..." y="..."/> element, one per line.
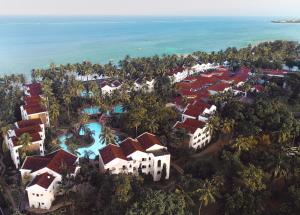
<point x="200" y="138"/>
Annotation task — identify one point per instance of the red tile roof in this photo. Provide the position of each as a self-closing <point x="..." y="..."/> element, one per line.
<point x="44" y="180"/>
<point x="34" y="108"/>
<point x="110" y="152"/>
<point x="27" y="123"/>
<point x="175" y="70"/>
<point x="29" y="130"/>
<point x="116" y="83"/>
<point x="129" y="145"/>
<point x="258" y="87"/>
<point x="196" y="109"/>
<point x="34" y="138"/>
<point x="219" y="87"/>
<point x="34" y="89"/>
<point x="32" y="100"/>
<point x="273" y="72"/>
<point x="55" y="161"/>
<point x="148" y="140"/>
<point x="190" y="125"/>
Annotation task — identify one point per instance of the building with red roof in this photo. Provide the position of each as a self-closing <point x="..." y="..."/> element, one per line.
<point x="275" y="73"/>
<point x="35" y="111"/>
<point x="219" y="88"/>
<point x="198" y="110"/>
<point x="45" y="174"/>
<point x="108" y="86"/>
<point x="36" y="131"/>
<point x="144" y="152"/>
<point x="34" y="89"/>
<point x="199" y="132"/>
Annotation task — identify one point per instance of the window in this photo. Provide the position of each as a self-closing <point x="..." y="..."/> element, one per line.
<point x="144" y="166"/>
<point x="149" y="159"/>
<point x="37" y="195"/>
<point x="149" y="166"/>
<point x="158" y="172"/>
<point x="143" y="159"/>
<point x="33" y="194"/>
<point x="159" y="163"/>
<point x="41" y="194"/>
<point x="42" y="203"/>
<point x="130" y="166"/>
<point x="40" y="145"/>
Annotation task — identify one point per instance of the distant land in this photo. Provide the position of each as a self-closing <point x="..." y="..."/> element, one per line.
<point x="287" y="21"/>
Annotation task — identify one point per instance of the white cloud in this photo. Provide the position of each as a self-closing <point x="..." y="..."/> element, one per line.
<point x="152" y="7"/>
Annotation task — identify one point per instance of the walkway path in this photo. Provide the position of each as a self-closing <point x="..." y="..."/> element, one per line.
<point x="53" y="208"/>
<point x="215" y="147"/>
<point x="211" y="149"/>
<point x="2" y="165"/>
<point x="177" y="168"/>
<point x="7" y="193"/>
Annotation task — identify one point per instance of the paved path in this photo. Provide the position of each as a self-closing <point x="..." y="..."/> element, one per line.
<point x="215" y="147"/>
<point x="2" y="165"/>
<point x="7" y="193"/>
<point x="177" y="168"/>
<point x="211" y="149"/>
<point x="53" y="208"/>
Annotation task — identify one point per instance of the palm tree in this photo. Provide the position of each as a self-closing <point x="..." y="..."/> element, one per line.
<point x="245" y="143"/>
<point x="227" y="126"/>
<point x="214" y="123"/>
<point x="24" y="140"/>
<point x="207" y="194"/>
<point x="54" y="111"/>
<point x="83" y="119"/>
<point x="108" y="135"/>
<point x="4" y="130"/>
<point x="279" y="168"/>
<point x="67" y="100"/>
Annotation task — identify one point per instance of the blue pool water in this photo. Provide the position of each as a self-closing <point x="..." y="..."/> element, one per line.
<point x="118" y="109"/>
<point x="96" y="110"/>
<point x="94" y="148"/>
<point x="34" y="42"/>
<point x="91" y="110"/>
<point x="86" y="94"/>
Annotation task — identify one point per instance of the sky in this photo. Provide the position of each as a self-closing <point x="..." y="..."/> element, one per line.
<point x="284" y="8"/>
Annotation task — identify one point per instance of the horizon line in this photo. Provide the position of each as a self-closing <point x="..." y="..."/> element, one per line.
<point x="138" y="15"/>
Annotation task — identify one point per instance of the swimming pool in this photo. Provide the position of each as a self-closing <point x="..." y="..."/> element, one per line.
<point x="91" y="110"/>
<point x="118" y="109"/>
<point x="96" y="128"/>
<point x="85" y="93"/>
<point x="97" y="110"/>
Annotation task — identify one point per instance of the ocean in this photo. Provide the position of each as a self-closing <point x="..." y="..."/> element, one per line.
<point x="35" y="42"/>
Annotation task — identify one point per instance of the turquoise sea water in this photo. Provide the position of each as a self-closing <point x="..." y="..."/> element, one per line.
<point x="32" y="42"/>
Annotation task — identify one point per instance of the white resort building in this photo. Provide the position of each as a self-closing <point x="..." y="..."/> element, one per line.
<point x="145" y="153"/>
<point x="44" y="174"/>
<point x="108" y="87"/>
<point x="199" y="132"/>
<point x="33" y="108"/>
<point x="35" y="129"/>
<point x="198" y="110"/>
